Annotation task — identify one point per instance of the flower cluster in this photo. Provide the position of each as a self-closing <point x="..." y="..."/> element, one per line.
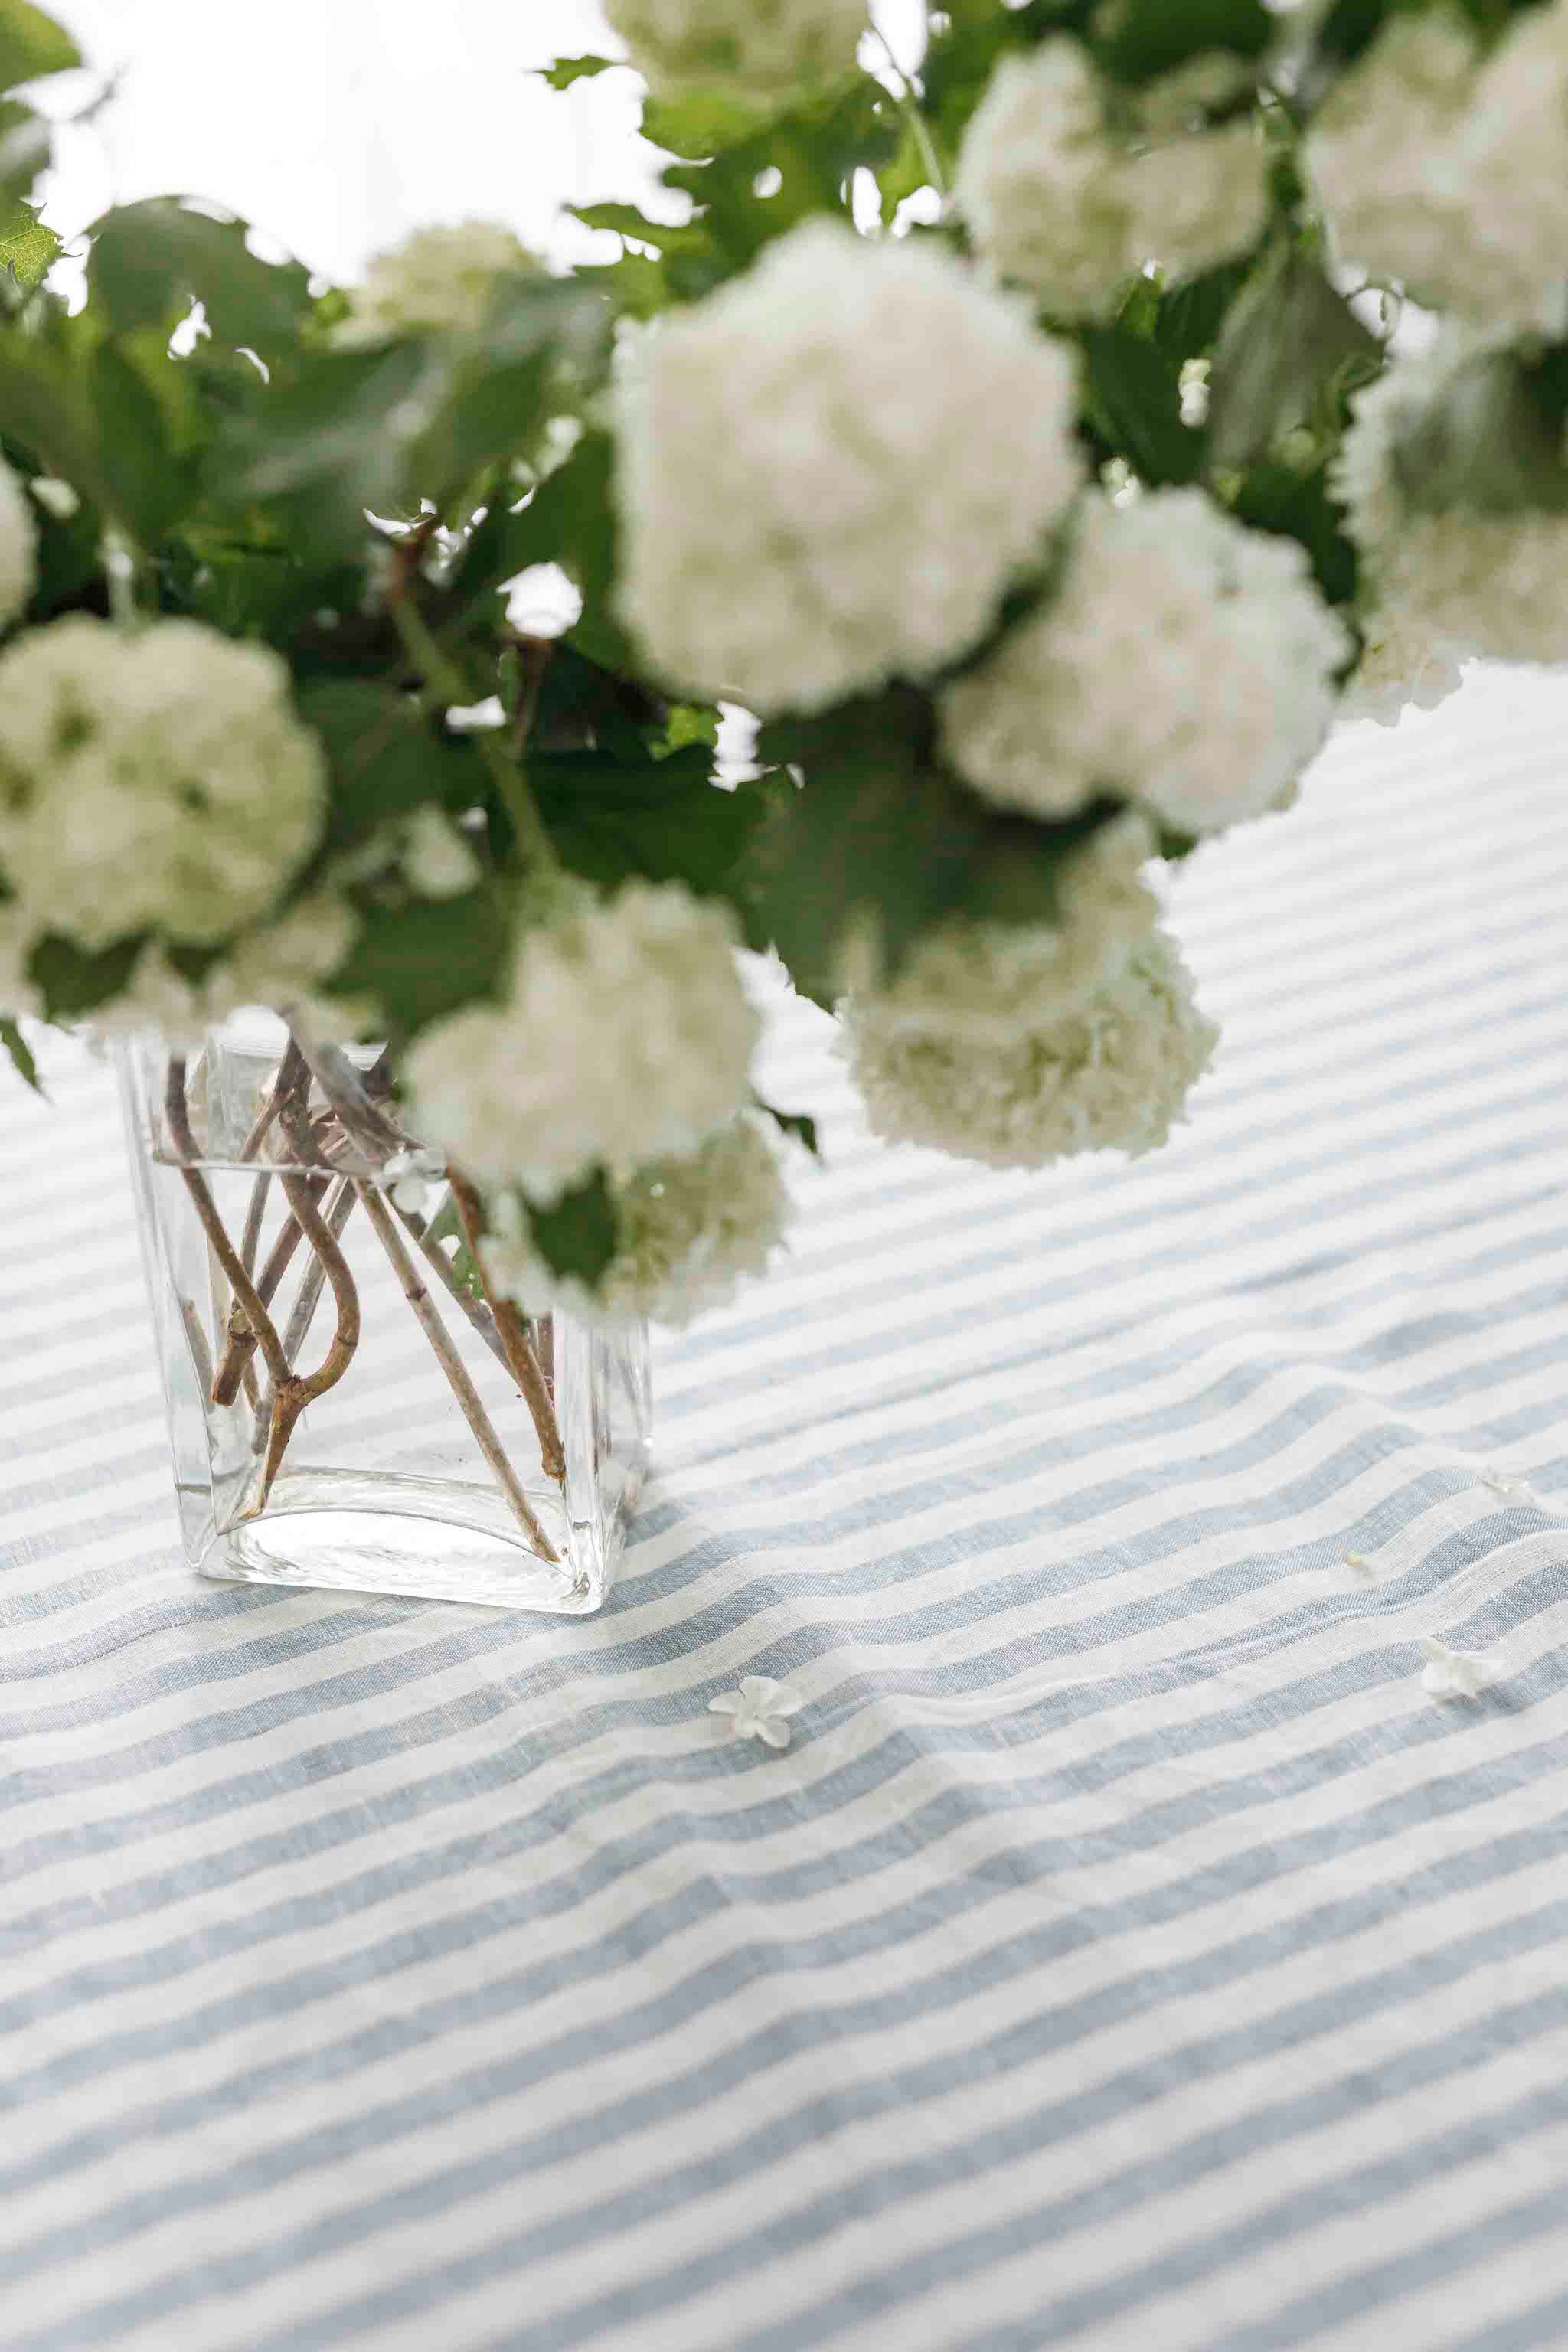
<point x="689" y="1231"/>
<point x="18" y="546"/>
<point x="1446" y="168"/>
<point x="1185" y="662"/>
<point x="775" y="48"/>
<point x="810" y="505"/>
<point x="1060" y="201"/>
<point x="436" y="279"/>
<point x="1110" y="1073"/>
<point x="1455" y="579"/>
<point x="626" y="1035"/>
<point x="157" y="781"/>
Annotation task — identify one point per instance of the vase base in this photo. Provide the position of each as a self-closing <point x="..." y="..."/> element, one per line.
<point x="340" y="1533"/>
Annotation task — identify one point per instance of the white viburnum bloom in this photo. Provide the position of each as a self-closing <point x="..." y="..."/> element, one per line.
<point x="18" y="548"/>
<point x="283" y="965"/>
<point x="770" y="48"/>
<point x="1058" y="200"/>
<point x="831" y="469"/>
<point x="160" y="779"/>
<point x="436" y="279"/>
<point x="1400" y="670"/>
<point x="689" y="1231"/>
<point x="627" y="1035"/>
<point x="1445" y="167"/>
<point x="1462" y="580"/>
<point x="980" y="984"/>
<point x="1112" y="1072"/>
<point x="1185" y="663"/>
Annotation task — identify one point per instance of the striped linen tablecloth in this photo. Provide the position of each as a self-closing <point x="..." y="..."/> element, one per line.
<point x="1127" y="1950"/>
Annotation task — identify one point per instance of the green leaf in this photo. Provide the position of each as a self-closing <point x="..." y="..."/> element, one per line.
<point x="150" y="261"/>
<point x="1492" y="442"/>
<point x="881" y="844"/>
<point x="1132" y="400"/>
<point x="577" y="1237"/>
<point x="32" y="44"/>
<point x="1290" y="351"/>
<point x="43" y="408"/>
<point x="566" y="70"/>
<point x="570" y="519"/>
<point x="665" y="821"/>
<point x="326" y="444"/>
<point x="542" y="335"/>
<point x="26" y="246"/>
<point x="797" y="1123"/>
<point x="1275" y="497"/>
<point x="1136" y="39"/>
<point x="383" y="761"/>
<point x="21" y="1053"/>
<point x="72" y="983"/>
<point x="1188" y="318"/>
<point x="426" y="959"/>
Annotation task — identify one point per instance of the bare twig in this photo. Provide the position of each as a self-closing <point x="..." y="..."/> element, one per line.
<point x="337" y="1214"/>
<point x="520" y="1355"/>
<point x="452" y="1363"/>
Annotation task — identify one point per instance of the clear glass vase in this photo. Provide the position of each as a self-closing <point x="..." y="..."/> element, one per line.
<point x="379" y="1425"/>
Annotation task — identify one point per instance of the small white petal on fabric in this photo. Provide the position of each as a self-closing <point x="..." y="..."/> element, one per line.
<point x="1452" y="1673"/>
<point x="626" y="1035"/>
<point x="1057" y="200"/>
<point x="442" y="278"/>
<point x="1111" y="1072"/>
<point x="761" y="1708"/>
<point x="1511" y="1484"/>
<point x="18" y="546"/>
<point x="808" y="507"/>
<point x="158" y="781"/>
<point x="1232" y="650"/>
<point x="1360" y="1565"/>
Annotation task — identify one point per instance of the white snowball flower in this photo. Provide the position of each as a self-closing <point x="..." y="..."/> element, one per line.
<point x="18" y="546"/>
<point x="436" y="278"/>
<point x="627" y="1035"/>
<point x="1400" y="670"/>
<point x="1448" y="169"/>
<point x="1465" y="581"/>
<point x="157" y="781"/>
<point x="1109" y="1074"/>
<point x="1185" y="662"/>
<point x="1058" y="200"/>
<point x="283" y="966"/>
<point x="771" y="48"/>
<point x="982" y="983"/>
<point x="436" y="858"/>
<point x="831" y="469"/>
<point x="689" y="1233"/>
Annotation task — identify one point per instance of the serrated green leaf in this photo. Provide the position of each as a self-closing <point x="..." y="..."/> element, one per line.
<point x="26" y="246"/>
<point x="1291" y="345"/>
<point x="576" y="1238"/>
<point x="880" y="844"/>
<point x="21" y="1053"/>
<point x="664" y="821"/>
<point x="73" y="983"/>
<point x="32" y="45"/>
<point x="149" y="482"/>
<point x="796" y="1123"/>
<point x="566" y="70"/>
<point x="382" y="758"/>
<point x="570" y="519"/>
<point x="543" y="345"/>
<point x="426" y="959"/>
<point x="327" y="443"/>
<point x="1136" y="39"/>
<point x="1132" y="401"/>
<point x="150" y="261"/>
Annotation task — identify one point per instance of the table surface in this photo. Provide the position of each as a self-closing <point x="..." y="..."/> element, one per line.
<point x="1126" y="1951"/>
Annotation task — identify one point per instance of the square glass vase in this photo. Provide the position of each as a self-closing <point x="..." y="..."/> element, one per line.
<point x="417" y="1463"/>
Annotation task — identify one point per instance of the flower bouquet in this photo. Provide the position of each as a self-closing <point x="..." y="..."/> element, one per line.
<point x="979" y="478"/>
